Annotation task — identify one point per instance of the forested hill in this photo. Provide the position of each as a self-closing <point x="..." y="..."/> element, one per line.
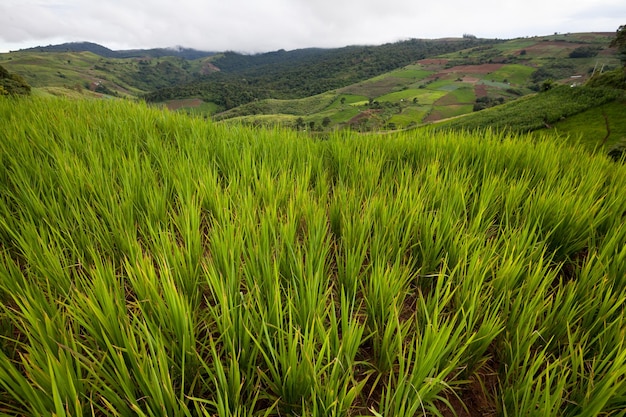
<point x="301" y="73"/>
<point x="185" y="53"/>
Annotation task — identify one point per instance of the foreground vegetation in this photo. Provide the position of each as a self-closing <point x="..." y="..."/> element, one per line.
<point x="153" y="264"/>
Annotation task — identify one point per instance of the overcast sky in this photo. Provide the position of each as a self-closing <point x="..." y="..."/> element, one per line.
<point x="267" y="25"/>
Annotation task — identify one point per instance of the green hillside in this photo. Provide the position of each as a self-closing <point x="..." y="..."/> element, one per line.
<point x="364" y="88"/>
<point x="155" y="264"/>
<point x="447" y="85"/>
<point x="593" y="116"/>
<point x="85" y="70"/>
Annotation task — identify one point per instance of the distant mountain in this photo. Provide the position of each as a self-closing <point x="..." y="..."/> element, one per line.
<point x="180" y="52"/>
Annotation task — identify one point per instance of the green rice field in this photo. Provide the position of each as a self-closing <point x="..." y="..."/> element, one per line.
<point x="153" y="264"/>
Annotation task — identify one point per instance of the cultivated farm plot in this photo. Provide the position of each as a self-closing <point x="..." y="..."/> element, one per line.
<point x="183" y="103"/>
<point x="423" y="96"/>
<point x="410" y="116"/>
<point x="514" y="74"/>
<point x="154" y="264"/>
<point x="461" y="95"/>
<point x="447" y="111"/>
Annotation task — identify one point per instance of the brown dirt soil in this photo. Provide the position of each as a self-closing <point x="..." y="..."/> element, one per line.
<point x="480" y="90"/>
<point x="548" y="47"/>
<point x="208" y="68"/>
<point x="433" y="117"/>
<point x="373" y="88"/>
<point x="478" y="397"/>
<point x="188" y="102"/>
<point x="447" y="100"/>
<point x="363" y="115"/>
<point x="432" y="61"/>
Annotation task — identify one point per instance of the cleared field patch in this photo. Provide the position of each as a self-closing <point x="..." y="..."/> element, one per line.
<point x="462" y="95"/>
<point x="183" y="103"/>
<point x="344" y="115"/>
<point x="427" y="96"/>
<point x="346" y="99"/>
<point x="481" y="90"/>
<point x="551" y="49"/>
<point x="446" y="111"/>
<point x="376" y="87"/>
<point x="300" y="107"/>
<point x="285" y="120"/>
<point x="413" y="72"/>
<point x="513" y="73"/>
<point x="404" y="95"/>
<point x="410" y="116"/>
<point x="494" y="84"/>
<point x="473" y="69"/>
<point x="433" y="63"/>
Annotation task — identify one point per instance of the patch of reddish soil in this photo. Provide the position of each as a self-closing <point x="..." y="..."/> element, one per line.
<point x="477" y="398"/>
<point x="208" y="68"/>
<point x="188" y="102"/>
<point x="480" y="90"/>
<point x="473" y="402"/>
<point x="432" y="61"/>
<point x="433" y="116"/>
<point x="447" y="100"/>
<point x="363" y="115"/>
<point x="549" y="47"/>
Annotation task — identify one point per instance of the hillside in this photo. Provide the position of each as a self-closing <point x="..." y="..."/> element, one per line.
<point x="537" y="111"/>
<point x="445" y="86"/>
<point x="227" y="79"/>
<point x="365" y="88"/>
<point x="128" y="77"/>
<point x="301" y="73"/>
<point x="156" y="264"/>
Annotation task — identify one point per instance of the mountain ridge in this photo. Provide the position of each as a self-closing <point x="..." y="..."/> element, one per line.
<point x="103" y="51"/>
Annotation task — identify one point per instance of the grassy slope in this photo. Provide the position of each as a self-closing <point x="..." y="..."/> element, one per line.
<point x="154" y="264"/>
<point x="574" y="112"/>
<point x="78" y="70"/>
<point x="590" y="127"/>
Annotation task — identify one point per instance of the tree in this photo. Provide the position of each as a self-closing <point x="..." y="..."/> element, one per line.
<point x="326" y="121"/>
<point x="546" y="85"/>
<point x="619" y="42"/>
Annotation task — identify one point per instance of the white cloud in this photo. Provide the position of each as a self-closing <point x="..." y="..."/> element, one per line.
<point x="252" y="25"/>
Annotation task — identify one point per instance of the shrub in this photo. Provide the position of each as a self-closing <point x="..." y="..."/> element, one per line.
<point x="12" y="84"/>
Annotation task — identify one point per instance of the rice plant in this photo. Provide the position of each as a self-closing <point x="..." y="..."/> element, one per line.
<point x="154" y="264"/>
